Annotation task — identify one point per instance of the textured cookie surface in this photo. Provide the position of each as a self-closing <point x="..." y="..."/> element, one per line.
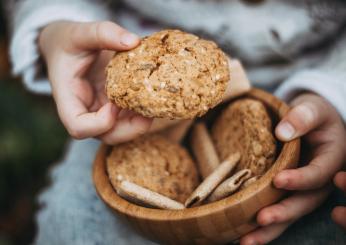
<point x="245" y="126"/>
<point x="171" y="74"/>
<point x="154" y="163"/>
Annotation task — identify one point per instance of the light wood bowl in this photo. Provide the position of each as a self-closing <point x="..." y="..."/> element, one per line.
<point x="215" y="223"/>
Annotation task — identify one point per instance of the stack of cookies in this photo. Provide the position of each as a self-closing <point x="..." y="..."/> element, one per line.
<point x="154" y="171"/>
<point x="241" y="138"/>
<point x="176" y="75"/>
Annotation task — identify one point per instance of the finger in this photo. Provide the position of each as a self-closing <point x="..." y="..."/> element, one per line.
<point x="264" y="235"/>
<point x="125" y="113"/>
<point x="339" y="216"/>
<point x="301" y="119"/>
<point x="91" y="124"/>
<point x="100" y="98"/>
<point x="102" y="35"/>
<point x="79" y="122"/>
<point x="314" y="175"/>
<point x="340" y="180"/>
<point x="127" y="129"/>
<point x="95" y="73"/>
<point x="292" y="208"/>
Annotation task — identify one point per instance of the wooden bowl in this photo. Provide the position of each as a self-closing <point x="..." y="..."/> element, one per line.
<point x="215" y="223"/>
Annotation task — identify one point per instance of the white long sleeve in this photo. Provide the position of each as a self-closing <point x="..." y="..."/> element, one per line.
<point x="328" y="79"/>
<point x="27" y="19"/>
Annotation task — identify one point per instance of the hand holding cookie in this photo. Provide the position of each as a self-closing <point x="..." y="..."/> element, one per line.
<point x="318" y="122"/>
<point x="76" y="71"/>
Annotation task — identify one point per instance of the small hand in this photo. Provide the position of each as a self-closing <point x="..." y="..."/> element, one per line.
<point x="339" y="213"/>
<point x="319" y="123"/>
<point x="76" y="55"/>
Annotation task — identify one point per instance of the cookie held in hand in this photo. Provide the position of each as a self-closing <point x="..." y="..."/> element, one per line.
<point x="171" y="74"/>
<point x="155" y="163"/>
<point x="245" y="126"/>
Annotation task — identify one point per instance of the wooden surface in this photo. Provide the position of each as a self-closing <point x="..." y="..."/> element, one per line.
<point x="215" y="223"/>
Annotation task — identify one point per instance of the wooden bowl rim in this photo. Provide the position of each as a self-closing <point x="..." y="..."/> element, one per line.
<point x="115" y="202"/>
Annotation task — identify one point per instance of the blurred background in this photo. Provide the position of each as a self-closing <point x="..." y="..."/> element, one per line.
<point x="31" y="140"/>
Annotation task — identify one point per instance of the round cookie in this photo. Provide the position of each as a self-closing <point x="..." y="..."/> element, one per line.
<point x="155" y="163"/>
<point x="171" y="74"/>
<point x="245" y="126"/>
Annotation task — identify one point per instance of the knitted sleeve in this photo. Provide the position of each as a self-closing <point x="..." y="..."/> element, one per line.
<point x="327" y="79"/>
<point x="26" y="18"/>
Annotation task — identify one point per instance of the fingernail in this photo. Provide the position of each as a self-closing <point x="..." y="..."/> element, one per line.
<point x="268" y="221"/>
<point x="252" y="242"/>
<point x="280" y="181"/>
<point x="129" y="39"/>
<point x="286" y="131"/>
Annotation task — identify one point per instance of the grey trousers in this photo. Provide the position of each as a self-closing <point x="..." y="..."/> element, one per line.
<point x="72" y="213"/>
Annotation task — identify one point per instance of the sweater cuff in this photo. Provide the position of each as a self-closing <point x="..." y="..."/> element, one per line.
<point x="24" y="52"/>
<point x="328" y="85"/>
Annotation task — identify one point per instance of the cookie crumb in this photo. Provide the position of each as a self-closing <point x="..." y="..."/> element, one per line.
<point x="162" y="85"/>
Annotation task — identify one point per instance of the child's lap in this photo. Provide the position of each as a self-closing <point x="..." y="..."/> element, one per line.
<point x="72" y="213"/>
<point x="317" y="227"/>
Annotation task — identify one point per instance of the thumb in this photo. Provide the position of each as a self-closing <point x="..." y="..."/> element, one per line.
<point x="309" y="112"/>
<point x="102" y="35"/>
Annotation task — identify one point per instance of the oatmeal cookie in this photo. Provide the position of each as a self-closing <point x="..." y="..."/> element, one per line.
<point x="245" y="126"/>
<point x="171" y="74"/>
<point x="155" y="163"/>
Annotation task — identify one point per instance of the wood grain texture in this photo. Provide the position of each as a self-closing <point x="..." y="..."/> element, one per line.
<point x="214" y="223"/>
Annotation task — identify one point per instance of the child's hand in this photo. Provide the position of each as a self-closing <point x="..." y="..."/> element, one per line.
<point x="76" y="55"/>
<point x="339" y="213"/>
<point x="319" y="123"/>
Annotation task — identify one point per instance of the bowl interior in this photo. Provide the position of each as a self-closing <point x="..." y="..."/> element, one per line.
<point x="287" y="157"/>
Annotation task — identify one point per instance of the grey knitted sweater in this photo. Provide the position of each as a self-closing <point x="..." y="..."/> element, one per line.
<point x="299" y="45"/>
<point x="286" y="46"/>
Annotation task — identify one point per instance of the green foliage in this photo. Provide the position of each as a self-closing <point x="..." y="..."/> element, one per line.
<point x="31" y="138"/>
<point x="4" y="241"/>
